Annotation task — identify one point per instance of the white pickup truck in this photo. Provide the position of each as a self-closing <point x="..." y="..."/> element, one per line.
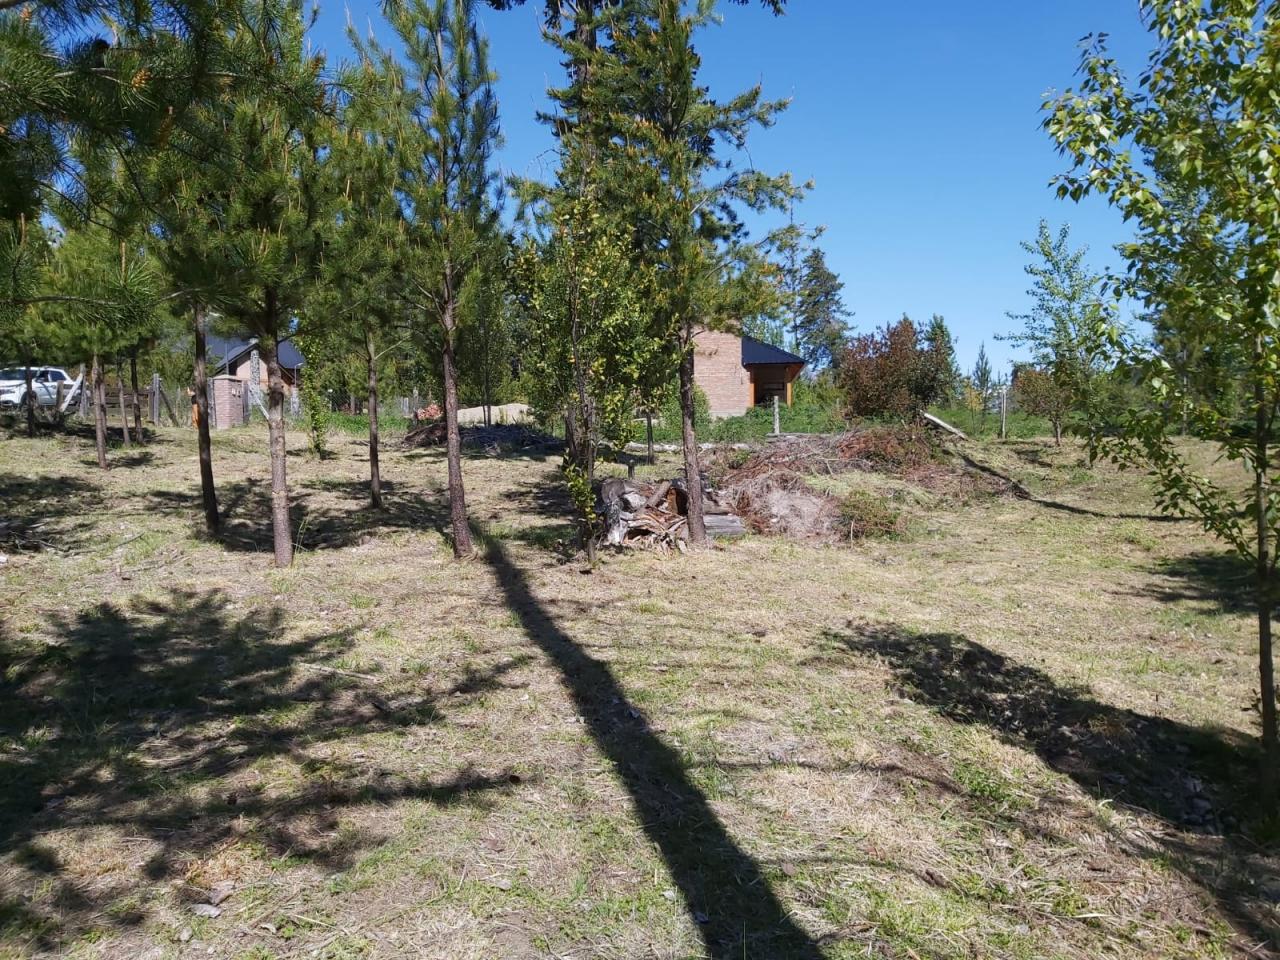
<point x="44" y="383"/>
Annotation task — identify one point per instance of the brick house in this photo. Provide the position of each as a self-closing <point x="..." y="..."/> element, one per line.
<point x="231" y="363"/>
<point x="738" y="372"/>
<point x="233" y="356"/>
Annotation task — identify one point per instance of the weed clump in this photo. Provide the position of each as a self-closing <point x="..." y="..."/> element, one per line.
<point x="865" y="515"/>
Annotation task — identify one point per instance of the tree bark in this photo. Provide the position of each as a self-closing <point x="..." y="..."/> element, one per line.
<point x="1266" y="599"/>
<point x="375" y="474"/>
<point x="462" y="546"/>
<point x="1057" y="433"/>
<point x="692" y="468"/>
<point x="29" y="399"/>
<point x="137" y="408"/>
<point x="208" y="493"/>
<point x="99" y="411"/>
<point x="282" y="534"/>
<point x="648" y="433"/>
<point x="124" y="412"/>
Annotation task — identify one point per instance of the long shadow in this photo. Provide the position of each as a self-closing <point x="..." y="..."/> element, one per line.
<point x="723" y="887"/>
<point x="151" y="717"/>
<point x="1189" y="777"/>
<point x="1022" y="493"/>
<point x="246" y="513"/>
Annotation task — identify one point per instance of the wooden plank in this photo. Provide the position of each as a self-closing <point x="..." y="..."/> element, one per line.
<point x="943" y="425"/>
<point x="724" y="525"/>
<point x="168" y="407"/>
<point x="77" y="384"/>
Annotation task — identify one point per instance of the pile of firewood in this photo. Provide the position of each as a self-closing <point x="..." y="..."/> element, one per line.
<point x="655" y="516"/>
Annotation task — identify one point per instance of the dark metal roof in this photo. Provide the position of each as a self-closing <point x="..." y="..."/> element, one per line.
<point x="754" y="352"/>
<point x="226" y="351"/>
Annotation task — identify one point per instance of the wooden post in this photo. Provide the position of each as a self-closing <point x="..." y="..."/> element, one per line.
<point x="124" y="412"/>
<point x="1004" y="410"/>
<point x="169" y="409"/>
<point x="155" y="399"/>
<point x="83" y="406"/>
<point x="57" y="401"/>
<point x="777" y="424"/>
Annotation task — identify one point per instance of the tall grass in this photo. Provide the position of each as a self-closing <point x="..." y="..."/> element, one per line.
<point x="357" y="424"/>
<point x="1021" y="426"/>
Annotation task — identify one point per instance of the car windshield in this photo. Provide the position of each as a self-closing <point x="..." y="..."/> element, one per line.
<point x="13" y="373"/>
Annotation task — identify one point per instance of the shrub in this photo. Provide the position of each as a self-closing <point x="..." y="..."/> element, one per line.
<point x="893" y="372"/>
<point x="666" y="428"/>
<point x="864" y="515"/>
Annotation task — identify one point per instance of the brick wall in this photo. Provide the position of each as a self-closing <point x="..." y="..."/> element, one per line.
<point x="228" y="402"/>
<point x="718" y="370"/>
<point x="243" y="368"/>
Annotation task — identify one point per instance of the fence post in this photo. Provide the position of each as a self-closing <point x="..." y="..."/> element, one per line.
<point x="777" y="424"/>
<point x="82" y="407"/>
<point x="155" y="399"/>
<point x="1004" y="410"/>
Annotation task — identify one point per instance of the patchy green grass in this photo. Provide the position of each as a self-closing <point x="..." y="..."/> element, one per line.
<point x="1022" y="731"/>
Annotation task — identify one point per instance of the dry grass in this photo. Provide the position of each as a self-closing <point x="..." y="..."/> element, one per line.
<point x="1022" y="730"/>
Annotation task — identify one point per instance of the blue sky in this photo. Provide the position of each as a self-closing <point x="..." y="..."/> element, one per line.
<point x="918" y="123"/>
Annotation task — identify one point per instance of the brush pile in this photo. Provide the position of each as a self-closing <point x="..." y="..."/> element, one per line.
<point x="494" y="439"/>
<point x="771" y="491"/>
<point x="654" y="516"/>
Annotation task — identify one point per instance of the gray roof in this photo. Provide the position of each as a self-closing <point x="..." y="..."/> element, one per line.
<point x="226" y="351"/>
<point x="754" y="352"/>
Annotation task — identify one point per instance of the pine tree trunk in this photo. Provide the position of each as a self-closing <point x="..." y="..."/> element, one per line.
<point x="137" y="408"/>
<point x="29" y="399"/>
<point x="99" y="411"/>
<point x="1266" y="666"/>
<point x="692" y="468"/>
<point x="208" y="492"/>
<point x="375" y="474"/>
<point x="124" y="413"/>
<point x="282" y="534"/>
<point x="462" y="546"/>
<point x="485" y="386"/>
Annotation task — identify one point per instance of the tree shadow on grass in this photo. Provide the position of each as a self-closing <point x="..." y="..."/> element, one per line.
<point x="1191" y="778"/>
<point x="318" y="522"/>
<point x="151" y="721"/>
<point x="1216" y="580"/>
<point x="723" y="887"/>
<point x="1022" y="493"/>
<point x="47" y="512"/>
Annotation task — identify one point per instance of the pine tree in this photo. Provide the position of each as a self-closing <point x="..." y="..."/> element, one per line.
<point x="101" y="290"/>
<point x="487" y="348"/>
<point x="942" y="351"/>
<point x="448" y="130"/>
<point x="359" y="293"/>
<point x="819" y="327"/>
<point x="665" y="132"/>
<point x="254" y="213"/>
<point x="25" y="247"/>
<point x="982" y="377"/>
